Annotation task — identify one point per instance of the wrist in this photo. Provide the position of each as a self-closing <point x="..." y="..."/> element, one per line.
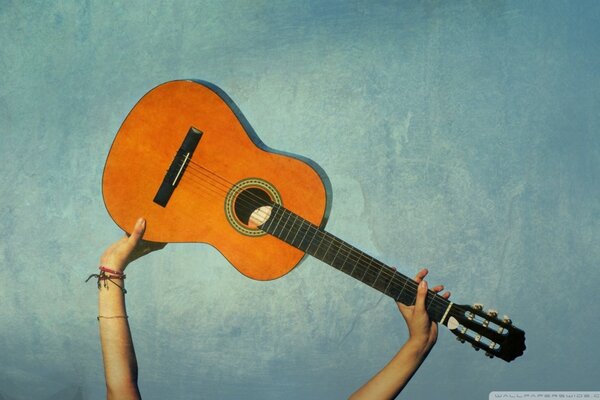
<point x="107" y="275"/>
<point x="113" y="270"/>
<point x="419" y="344"/>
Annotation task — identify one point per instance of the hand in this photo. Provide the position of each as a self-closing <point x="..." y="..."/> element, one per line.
<point x="129" y="248"/>
<point x="422" y="330"/>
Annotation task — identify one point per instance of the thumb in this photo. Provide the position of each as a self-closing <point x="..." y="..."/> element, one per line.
<point x="421" y="296"/>
<point x="137" y="233"/>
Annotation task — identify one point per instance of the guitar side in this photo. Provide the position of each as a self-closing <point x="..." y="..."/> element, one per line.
<point x="229" y="155"/>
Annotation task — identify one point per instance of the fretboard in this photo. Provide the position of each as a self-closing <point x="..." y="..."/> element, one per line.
<point x="307" y="237"/>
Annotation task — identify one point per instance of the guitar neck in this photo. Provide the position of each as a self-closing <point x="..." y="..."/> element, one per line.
<point x="307" y="237"/>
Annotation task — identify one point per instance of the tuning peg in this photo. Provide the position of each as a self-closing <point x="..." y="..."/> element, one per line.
<point x="506" y="320"/>
<point x="475" y="347"/>
<point x="492" y="313"/>
<point x="488" y="354"/>
<point x="478" y="306"/>
<point x="460" y="339"/>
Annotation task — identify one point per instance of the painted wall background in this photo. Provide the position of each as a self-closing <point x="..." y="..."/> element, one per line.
<point x="462" y="136"/>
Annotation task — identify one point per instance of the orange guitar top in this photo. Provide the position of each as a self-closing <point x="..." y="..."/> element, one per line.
<point x="209" y="191"/>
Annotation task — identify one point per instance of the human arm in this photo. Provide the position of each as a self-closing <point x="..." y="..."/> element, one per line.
<point x="390" y="381"/>
<point x="118" y="354"/>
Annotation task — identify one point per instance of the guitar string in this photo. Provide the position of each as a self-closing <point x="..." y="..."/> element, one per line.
<point x="455" y="310"/>
<point x="341" y="245"/>
<point x="349" y="249"/>
<point x="383" y="270"/>
<point x="387" y="271"/>
<point x="435" y="297"/>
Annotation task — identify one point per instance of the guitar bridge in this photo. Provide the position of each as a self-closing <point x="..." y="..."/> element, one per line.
<point x="177" y="167"/>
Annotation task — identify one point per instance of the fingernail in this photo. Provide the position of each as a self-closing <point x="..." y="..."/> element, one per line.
<point x="423" y="284"/>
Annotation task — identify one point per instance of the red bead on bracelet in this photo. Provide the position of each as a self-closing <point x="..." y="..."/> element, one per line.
<point x="110" y="271"/>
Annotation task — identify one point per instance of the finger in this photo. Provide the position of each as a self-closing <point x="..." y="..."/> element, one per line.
<point x="446" y="295"/>
<point x="421" y="274"/>
<point x="137" y="233"/>
<point x="438" y="288"/>
<point x="421" y="295"/>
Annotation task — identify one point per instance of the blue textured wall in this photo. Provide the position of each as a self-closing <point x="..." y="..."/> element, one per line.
<point x="462" y="136"/>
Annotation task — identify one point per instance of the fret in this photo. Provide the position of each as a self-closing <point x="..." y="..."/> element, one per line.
<point x="390" y="279"/>
<point x="366" y="272"/>
<point x="373" y="273"/>
<point x="301" y="231"/>
<point x="340" y="258"/>
<point x="428" y="301"/>
<point x="355" y="264"/>
<point x="284" y="226"/>
<point x="341" y="267"/>
<point x="323" y="247"/>
<point x="397" y="292"/>
<point x="308" y="237"/>
<point x="326" y="256"/>
<point x="361" y="269"/>
<point x="405" y="298"/>
<point x="291" y="230"/>
<point x="335" y="256"/>
<point x="315" y="243"/>
<point x="441" y="305"/>
<point x="374" y="284"/>
<point x="278" y="221"/>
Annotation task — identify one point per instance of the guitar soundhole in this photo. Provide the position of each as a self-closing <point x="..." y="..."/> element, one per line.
<point x="250" y="201"/>
<point x="248" y="205"/>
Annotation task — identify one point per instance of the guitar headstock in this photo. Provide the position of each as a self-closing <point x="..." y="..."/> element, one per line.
<point x="486" y="331"/>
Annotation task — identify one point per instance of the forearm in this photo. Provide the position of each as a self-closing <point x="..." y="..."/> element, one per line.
<point x="390" y="381"/>
<point x="120" y="364"/>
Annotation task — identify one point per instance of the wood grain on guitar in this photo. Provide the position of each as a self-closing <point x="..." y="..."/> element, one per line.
<point x="188" y="161"/>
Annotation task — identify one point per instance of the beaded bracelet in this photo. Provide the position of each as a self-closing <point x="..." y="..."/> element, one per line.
<point x="102" y="276"/>
<point x="111" y="271"/>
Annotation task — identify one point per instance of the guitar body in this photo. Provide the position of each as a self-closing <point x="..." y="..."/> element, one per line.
<point x="204" y="204"/>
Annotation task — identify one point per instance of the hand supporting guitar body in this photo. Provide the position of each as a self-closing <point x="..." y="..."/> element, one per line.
<point x="118" y="354"/>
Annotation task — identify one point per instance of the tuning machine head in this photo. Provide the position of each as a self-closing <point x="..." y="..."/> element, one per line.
<point x="492" y="313"/>
<point x="506" y="320"/>
<point x="478" y="306"/>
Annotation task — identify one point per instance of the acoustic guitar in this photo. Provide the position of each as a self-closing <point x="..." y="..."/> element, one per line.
<point x="188" y="161"/>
